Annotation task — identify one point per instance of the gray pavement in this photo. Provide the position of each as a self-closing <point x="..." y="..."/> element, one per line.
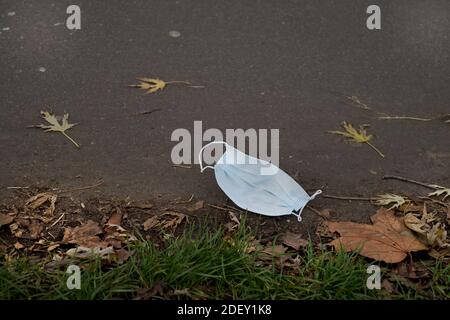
<point x="265" y="64"/>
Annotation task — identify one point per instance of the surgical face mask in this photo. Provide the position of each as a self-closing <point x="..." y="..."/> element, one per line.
<point x="257" y="185"/>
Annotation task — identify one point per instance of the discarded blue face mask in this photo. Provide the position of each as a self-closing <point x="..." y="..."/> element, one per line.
<point x="257" y="185"/>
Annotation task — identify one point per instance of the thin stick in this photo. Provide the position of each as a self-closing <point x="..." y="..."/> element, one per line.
<point x="435" y="201"/>
<point x="82" y="188"/>
<point x="410" y="181"/>
<point x="316" y="212"/>
<point x="186" y="83"/>
<point x="54" y="223"/>
<point x="182" y="82"/>
<point x="348" y="198"/>
<point x="181" y="166"/>
<point x="146" y="112"/>
<point x="403" y="118"/>
<point x="183" y="202"/>
<point x="375" y="148"/>
<point x="73" y="141"/>
<point x="17" y="187"/>
<point x="216" y="207"/>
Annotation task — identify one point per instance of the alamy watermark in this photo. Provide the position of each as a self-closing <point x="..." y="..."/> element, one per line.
<point x="260" y="144"/>
<point x="374" y="280"/>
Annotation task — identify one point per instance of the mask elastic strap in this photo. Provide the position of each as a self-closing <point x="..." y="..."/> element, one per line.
<point x="298" y="213"/>
<point x="200" y="159"/>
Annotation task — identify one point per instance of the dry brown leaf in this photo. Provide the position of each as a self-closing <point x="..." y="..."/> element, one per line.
<point x="16" y="230"/>
<point x="427" y="217"/>
<point x="388" y="286"/>
<point x="38" y="200"/>
<point x="437" y="236"/>
<point x="295" y="241"/>
<point x="174" y="222"/>
<point x="35" y="229"/>
<point x="415" y="224"/>
<point x="5" y="219"/>
<point x="52" y="247"/>
<point x="410" y="207"/>
<point x="85" y="235"/>
<point x="151" y="223"/>
<point x="122" y="255"/>
<point x="115" y="219"/>
<point x="277" y="250"/>
<point x="197" y="206"/>
<point x="387" y="239"/>
<point x="89" y="252"/>
<point x="439" y="254"/>
<point x="327" y="213"/>
<point x="18" y="246"/>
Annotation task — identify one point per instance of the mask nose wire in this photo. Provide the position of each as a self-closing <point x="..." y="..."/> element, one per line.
<point x="200" y="159"/>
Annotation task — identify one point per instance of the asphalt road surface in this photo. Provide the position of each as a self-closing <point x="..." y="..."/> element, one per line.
<point x="286" y="65"/>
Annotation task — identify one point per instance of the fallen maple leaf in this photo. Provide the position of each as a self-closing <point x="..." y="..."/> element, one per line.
<point x="387" y="239"/>
<point x="354" y="135"/>
<point x="440" y="191"/>
<point x="390" y="198"/>
<point x="56" y="126"/>
<point x="153" y="85"/>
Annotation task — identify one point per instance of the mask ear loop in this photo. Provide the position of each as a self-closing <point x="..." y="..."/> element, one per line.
<point x="298" y="213"/>
<point x="200" y="159"/>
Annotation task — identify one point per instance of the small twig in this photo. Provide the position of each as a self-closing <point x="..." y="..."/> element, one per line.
<point x="187" y="83"/>
<point x="146" y="112"/>
<point x="217" y="207"/>
<point x="359" y="104"/>
<point x="348" y="198"/>
<point x="410" y="181"/>
<point x="181" y="166"/>
<point x="316" y="211"/>
<point x="71" y="140"/>
<point x="54" y="223"/>
<point x="435" y="201"/>
<point x="403" y="118"/>
<point x="82" y="188"/>
<point x="184" y="202"/>
<point x="181" y="82"/>
<point x="234" y="208"/>
<point x="376" y="149"/>
<point x="17" y="187"/>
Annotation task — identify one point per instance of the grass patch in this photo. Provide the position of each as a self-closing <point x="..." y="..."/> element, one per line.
<point x="208" y="265"/>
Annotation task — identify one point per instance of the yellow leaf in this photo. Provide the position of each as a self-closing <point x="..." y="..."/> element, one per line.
<point x="356" y="136"/>
<point x="55" y="126"/>
<point x="152" y="85"/>
<point x="440" y="191"/>
<point x="389" y="198"/>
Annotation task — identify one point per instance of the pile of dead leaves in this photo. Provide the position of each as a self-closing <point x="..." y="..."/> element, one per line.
<point x="407" y="226"/>
<point x="39" y="227"/>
